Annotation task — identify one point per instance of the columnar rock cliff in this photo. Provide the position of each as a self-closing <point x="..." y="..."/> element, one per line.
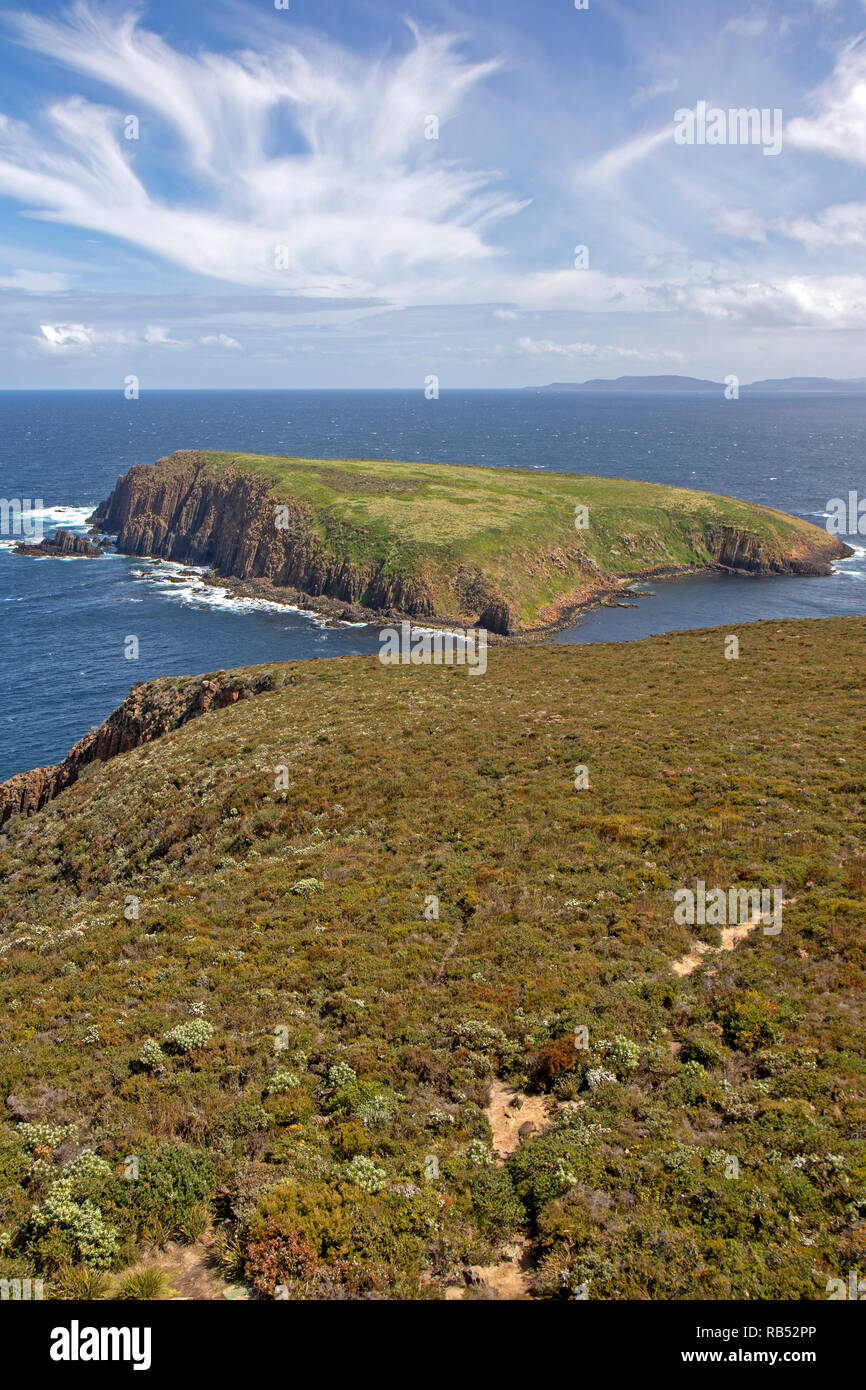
<point x="150" y="711"/>
<point x="181" y="510"/>
<point x="803" y="555"/>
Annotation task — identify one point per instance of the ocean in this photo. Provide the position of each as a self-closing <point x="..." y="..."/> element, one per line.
<point x="65" y="621"/>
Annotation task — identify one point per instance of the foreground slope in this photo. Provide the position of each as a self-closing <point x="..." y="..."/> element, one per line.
<point x="494" y="546"/>
<point x="227" y="996"/>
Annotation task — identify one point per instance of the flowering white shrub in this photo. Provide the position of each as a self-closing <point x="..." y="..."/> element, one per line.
<point x="282" y="1081"/>
<point x="151" y="1054"/>
<point x="95" y="1243"/>
<point x="366" y="1174"/>
<point x="599" y="1076"/>
<point x="341" y="1074"/>
<point x="185" y="1037"/>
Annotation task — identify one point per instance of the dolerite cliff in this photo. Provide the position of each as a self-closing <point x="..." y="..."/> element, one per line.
<point x="804" y="555"/>
<point x="150" y="711"/>
<point x="180" y="509"/>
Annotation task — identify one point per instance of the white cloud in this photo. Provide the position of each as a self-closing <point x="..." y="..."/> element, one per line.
<point x="546" y="348"/>
<point x="66" y="334"/>
<point x="157" y="336"/>
<point x="642" y="95"/>
<point x="746" y="223"/>
<point x="839" y="128"/>
<point x="815" y="301"/>
<point x="35" y="281"/>
<point x="615" y="162"/>
<point x="747" y="26"/>
<point x="219" y="340"/>
<point x="842" y="225"/>
<point x="366" y="206"/>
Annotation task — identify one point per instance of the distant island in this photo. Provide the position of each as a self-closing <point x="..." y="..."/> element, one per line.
<point x="694" y="383"/>
<point x="514" y="551"/>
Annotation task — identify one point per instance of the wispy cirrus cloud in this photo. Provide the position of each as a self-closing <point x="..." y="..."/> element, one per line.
<point x="545" y="349"/>
<point x="351" y="202"/>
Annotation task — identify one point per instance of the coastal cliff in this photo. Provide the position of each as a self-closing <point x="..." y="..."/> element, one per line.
<point x="180" y="509"/>
<point x="498" y="548"/>
<point x="150" y="711"/>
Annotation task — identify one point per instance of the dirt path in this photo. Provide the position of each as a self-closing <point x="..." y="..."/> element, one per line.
<point x="509" y="1277"/>
<point x="730" y="937"/>
<point x="508" y="1110"/>
<point x="192" y="1271"/>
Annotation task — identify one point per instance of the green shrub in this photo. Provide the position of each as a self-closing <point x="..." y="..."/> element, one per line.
<point x="80" y="1283"/>
<point x="58" y="1222"/>
<point x="749" y="1022"/>
<point x="495" y="1203"/>
<point x="144" y="1286"/>
<point x="171" y="1182"/>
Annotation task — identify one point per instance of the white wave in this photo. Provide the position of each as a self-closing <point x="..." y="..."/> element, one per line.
<point x="62" y="515"/>
<point x="36" y="521"/>
<point x="188" y="584"/>
<point x="843" y="568"/>
<point x="442" y="631"/>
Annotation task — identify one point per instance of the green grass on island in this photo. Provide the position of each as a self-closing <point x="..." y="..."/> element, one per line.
<point x="514" y="528"/>
<point x="231" y="1014"/>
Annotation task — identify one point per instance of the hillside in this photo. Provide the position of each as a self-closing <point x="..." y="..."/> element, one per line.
<point x="229" y="1004"/>
<point x="493" y="547"/>
<point x="665" y="384"/>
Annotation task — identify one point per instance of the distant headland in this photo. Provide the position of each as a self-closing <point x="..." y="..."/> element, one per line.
<point x="771" y="386"/>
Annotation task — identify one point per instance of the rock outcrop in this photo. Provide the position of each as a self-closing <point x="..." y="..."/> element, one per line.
<point x="150" y="711"/>
<point x="62" y="543"/>
<point x="806" y="555"/>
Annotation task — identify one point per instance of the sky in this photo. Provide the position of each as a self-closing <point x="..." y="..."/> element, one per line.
<point x="494" y="193"/>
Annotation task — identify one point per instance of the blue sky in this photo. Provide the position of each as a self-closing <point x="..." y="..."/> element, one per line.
<point x="283" y="219"/>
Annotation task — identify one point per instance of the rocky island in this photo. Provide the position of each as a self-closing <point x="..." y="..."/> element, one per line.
<point x="515" y="551"/>
<point x="63" y="543"/>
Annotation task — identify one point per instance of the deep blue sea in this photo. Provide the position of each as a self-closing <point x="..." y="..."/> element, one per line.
<point x="64" y="622"/>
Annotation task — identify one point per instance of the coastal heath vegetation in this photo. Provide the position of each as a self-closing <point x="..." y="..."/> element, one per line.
<point x="355" y="982"/>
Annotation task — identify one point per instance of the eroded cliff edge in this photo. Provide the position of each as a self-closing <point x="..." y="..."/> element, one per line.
<point x="148" y="712"/>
